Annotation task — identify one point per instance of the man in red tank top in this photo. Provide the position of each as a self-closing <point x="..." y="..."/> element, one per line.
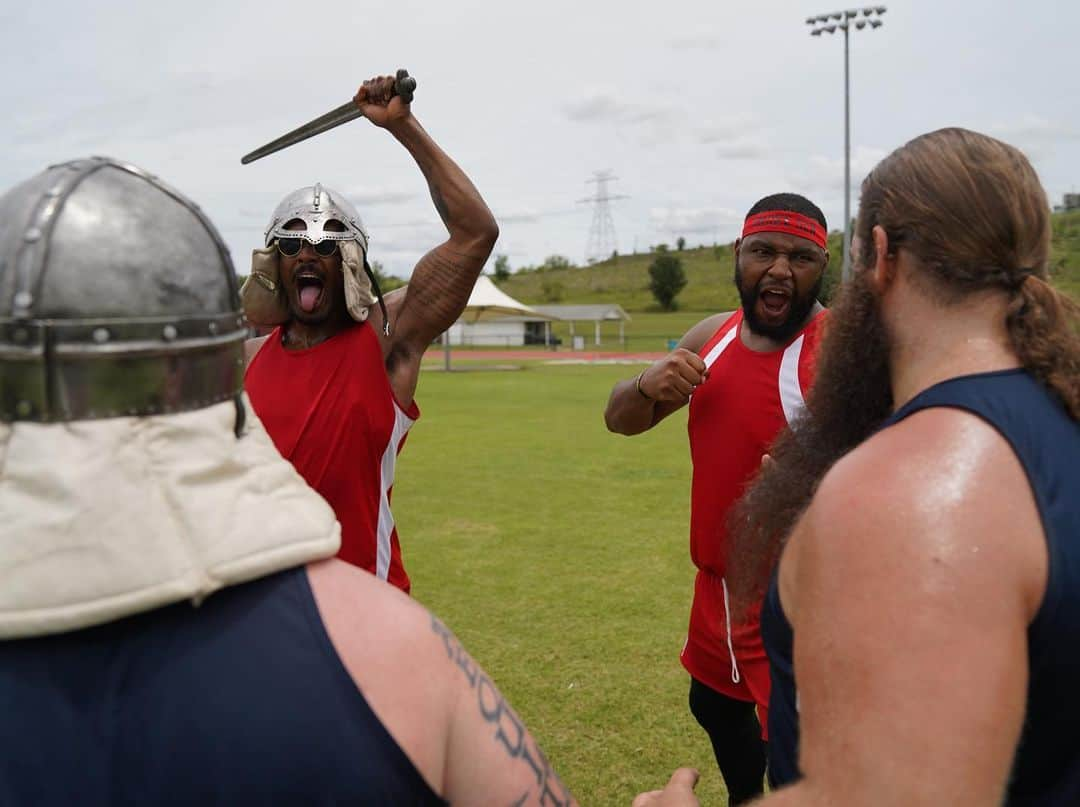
<point x="333" y="382"/>
<point x="744" y="374"/>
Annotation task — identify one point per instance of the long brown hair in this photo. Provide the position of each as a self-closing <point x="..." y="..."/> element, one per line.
<point x="972" y="211"/>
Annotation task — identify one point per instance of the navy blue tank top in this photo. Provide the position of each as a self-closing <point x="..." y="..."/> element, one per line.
<point x="1046" y="770"/>
<point x="242" y="700"/>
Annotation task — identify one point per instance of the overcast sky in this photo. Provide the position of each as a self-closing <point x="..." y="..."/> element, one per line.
<point x="699" y="108"/>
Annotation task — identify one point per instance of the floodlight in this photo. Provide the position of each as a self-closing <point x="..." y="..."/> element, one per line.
<point x="811" y="20"/>
<point x="816" y="32"/>
<point x="875" y="23"/>
<point x="830" y="28"/>
<point x="880" y="9"/>
<point x="860" y="24"/>
<point x="836" y="15"/>
<point x="851" y="13"/>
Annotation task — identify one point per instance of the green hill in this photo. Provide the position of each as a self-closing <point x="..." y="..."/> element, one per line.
<point x="709" y="272"/>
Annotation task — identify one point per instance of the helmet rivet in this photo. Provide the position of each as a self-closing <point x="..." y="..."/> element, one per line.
<point x="23" y="409"/>
<point x="100" y="335"/>
<point x="168" y="333"/>
<point x="32" y="235"/>
<point x="23" y="299"/>
<point x="212" y="327"/>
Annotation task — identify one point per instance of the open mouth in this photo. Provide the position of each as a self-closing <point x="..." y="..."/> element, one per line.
<point x="309" y="289"/>
<point x="775" y="301"/>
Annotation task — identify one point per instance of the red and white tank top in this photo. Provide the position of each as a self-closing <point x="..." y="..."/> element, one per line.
<point x="734" y="416"/>
<point x="331" y="412"/>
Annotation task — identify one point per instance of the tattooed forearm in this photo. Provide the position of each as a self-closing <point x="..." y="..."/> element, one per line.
<point x="510" y="732"/>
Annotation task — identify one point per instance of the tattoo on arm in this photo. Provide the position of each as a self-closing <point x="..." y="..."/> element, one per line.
<point x="510" y="733"/>
<point x="439" y="289"/>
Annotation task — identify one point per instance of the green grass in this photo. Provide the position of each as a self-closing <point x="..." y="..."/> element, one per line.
<point x="559" y="555"/>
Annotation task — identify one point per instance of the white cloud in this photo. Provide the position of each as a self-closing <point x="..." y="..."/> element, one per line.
<point x="712" y="221"/>
<point x="820" y="173"/>
<point x="369" y="197"/>
<point x="703" y="40"/>
<point x="602" y="106"/>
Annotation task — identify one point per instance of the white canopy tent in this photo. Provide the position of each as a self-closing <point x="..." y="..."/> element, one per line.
<point x="488" y="302"/>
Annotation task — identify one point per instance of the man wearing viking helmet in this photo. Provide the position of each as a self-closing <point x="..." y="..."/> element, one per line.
<point x="173" y="626"/>
<point x="334" y="382"/>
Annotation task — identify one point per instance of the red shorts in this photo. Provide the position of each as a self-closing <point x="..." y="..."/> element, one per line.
<point x="740" y="669"/>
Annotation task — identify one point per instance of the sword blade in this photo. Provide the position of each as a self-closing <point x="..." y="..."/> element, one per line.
<point x="335" y="117"/>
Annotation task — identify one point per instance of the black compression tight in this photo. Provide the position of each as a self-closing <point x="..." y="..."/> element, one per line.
<point x="733" y="729"/>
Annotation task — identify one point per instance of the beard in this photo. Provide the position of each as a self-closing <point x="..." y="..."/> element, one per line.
<point x="799" y="311"/>
<point x="851" y="397"/>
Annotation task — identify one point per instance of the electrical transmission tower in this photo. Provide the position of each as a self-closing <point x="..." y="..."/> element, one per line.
<point x="602" y="240"/>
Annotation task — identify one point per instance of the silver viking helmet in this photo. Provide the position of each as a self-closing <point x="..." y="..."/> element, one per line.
<point x="316" y="205"/>
<point x="117" y="297"/>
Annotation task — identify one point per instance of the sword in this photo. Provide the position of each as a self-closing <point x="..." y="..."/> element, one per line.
<point x="404" y="87"/>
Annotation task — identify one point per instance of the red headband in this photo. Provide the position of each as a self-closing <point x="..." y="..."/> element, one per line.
<point x="785" y="221"/>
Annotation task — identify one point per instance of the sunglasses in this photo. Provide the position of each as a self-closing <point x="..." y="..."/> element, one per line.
<point x="290" y="247"/>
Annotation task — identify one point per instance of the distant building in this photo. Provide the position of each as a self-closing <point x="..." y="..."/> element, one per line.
<point x="1071" y="201"/>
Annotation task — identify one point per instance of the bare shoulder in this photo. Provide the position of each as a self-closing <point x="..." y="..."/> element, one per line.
<point x="368" y="619"/>
<point x="924" y="497"/>
<point x="391" y="647"/>
<point x="920" y="559"/>
<point x="251" y="347"/>
<point x="695" y="338"/>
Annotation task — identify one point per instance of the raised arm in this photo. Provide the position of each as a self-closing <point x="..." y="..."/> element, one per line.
<point x="639" y="403"/>
<point x="444" y="277"/>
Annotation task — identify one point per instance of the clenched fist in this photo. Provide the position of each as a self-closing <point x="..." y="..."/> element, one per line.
<point x="378" y="100"/>
<point x="674" y="377"/>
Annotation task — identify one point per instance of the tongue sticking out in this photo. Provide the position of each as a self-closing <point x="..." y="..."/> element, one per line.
<point x="309" y="297"/>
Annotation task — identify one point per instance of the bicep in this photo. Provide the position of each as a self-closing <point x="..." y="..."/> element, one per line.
<point x="437" y="293"/>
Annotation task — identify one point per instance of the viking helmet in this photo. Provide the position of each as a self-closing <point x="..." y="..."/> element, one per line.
<point x="117" y="297"/>
<point x="316" y="205"/>
<point x="262" y="297"/>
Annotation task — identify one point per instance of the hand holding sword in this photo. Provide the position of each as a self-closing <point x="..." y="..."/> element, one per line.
<point x="381" y="100"/>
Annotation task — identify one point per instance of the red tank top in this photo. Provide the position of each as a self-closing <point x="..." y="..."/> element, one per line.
<point x="734" y="417"/>
<point x="331" y="412"/>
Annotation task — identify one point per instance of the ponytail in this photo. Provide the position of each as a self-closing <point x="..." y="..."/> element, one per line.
<point x="1044" y="328"/>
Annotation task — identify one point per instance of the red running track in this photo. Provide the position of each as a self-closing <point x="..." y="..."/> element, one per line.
<point x="436" y="354"/>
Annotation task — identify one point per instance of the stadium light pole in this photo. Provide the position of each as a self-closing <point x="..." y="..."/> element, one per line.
<point x="829" y="24"/>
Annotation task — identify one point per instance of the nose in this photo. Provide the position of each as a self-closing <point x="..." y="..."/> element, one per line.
<point x="782" y="265"/>
<point x="307" y="249"/>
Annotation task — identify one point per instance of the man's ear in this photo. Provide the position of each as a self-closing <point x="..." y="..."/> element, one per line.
<point x="883" y="272"/>
<point x="738" y="245"/>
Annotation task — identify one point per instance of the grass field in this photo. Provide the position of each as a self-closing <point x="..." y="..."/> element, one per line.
<point x="559" y="555"/>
